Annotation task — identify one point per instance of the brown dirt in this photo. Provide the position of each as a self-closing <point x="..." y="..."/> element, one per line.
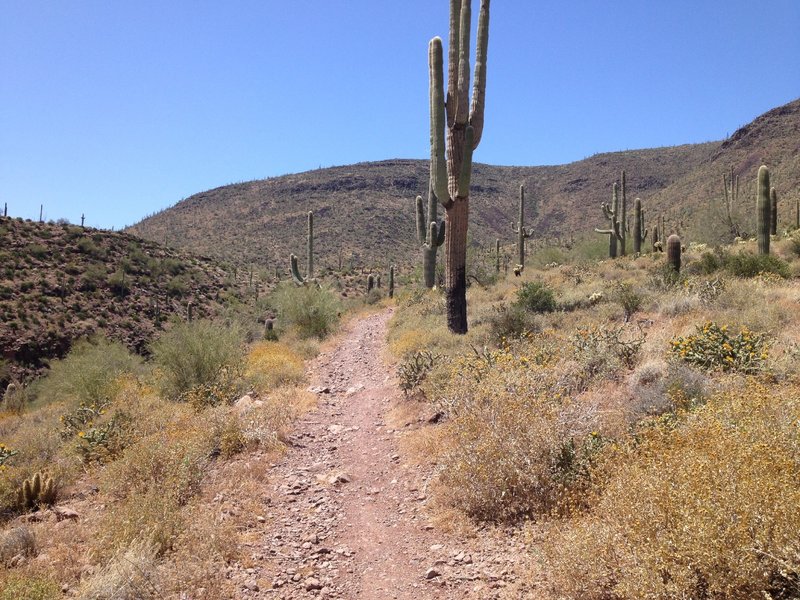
<point x="348" y="513"/>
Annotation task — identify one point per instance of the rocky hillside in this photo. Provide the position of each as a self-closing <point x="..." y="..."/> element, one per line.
<point x="365" y="211"/>
<point x="61" y="282"/>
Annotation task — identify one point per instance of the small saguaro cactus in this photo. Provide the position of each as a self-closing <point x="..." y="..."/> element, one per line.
<point x="730" y="185"/>
<point x="190" y="311"/>
<point x="610" y="213"/>
<point x="763" y="210"/>
<point x="623" y="218"/>
<point x="674" y="252"/>
<point x="797" y="214"/>
<point x="370" y="282"/>
<point x="523" y="233"/>
<point x="430" y="234"/>
<point x="299" y="279"/>
<point x="639" y="231"/>
<point x="497" y="255"/>
<point x="391" y="281"/>
<point x="773" y="201"/>
<point x="40" y="490"/>
<point x="83" y="217"/>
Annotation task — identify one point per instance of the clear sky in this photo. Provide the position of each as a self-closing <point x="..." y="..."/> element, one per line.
<point x="119" y="108"/>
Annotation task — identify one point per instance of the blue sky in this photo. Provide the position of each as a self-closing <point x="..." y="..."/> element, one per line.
<point x="117" y="109"/>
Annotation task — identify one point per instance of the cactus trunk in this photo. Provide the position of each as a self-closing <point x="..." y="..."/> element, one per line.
<point x="523" y="233"/>
<point x="391" y="281"/>
<point x="639" y="231"/>
<point x="456" y="130"/>
<point x="674" y="252"/>
<point x="623" y="219"/>
<point x="497" y="255"/>
<point x="763" y="210"/>
<point x="310" y="247"/>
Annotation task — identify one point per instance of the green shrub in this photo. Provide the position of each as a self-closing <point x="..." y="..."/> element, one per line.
<point x="712" y="347"/>
<point x="745" y="264"/>
<point x="312" y="311"/>
<point x="536" y="296"/>
<point x="628" y="298"/>
<point x="90" y="374"/>
<point x="200" y="354"/>
<point x="30" y="587"/>
<point x="511" y="321"/>
<point x="414" y="370"/>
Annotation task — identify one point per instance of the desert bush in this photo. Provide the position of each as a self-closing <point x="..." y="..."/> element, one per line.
<point x="601" y="346"/>
<point x="664" y="278"/>
<point x="509" y="450"/>
<point x="536" y="296"/>
<point x="510" y="321"/>
<point x="18" y="541"/>
<point x="312" y="311"/>
<point x="201" y="359"/>
<point x="129" y="575"/>
<point x="704" y="509"/>
<point x="627" y="297"/>
<point x="16" y="586"/>
<point x="91" y="374"/>
<point x="745" y="264"/>
<point x="713" y="347"/>
<point x="271" y="364"/>
<point x="413" y="371"/>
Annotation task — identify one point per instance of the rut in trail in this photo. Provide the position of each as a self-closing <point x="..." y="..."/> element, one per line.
<point x="347" y="516"/>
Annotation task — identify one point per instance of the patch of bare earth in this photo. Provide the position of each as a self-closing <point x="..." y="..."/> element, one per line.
<point x="347" y="513"/>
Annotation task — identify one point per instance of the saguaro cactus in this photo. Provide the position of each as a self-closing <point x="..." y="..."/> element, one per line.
<point x="610" y="213"/>
<point x="730" y="185"/>
<point x="431" y="235"/>
<point x="623" y="218"/>
<point x="299" y="279"/>
<point x="391" y="281"/>
<point x="674" y="252"/>
<point x="497" y="255"/>
<point x="773" y="201"/>
<point x="451" y="160"/>
<point x="523" y="233"/>
<point x="763" y="210"/>
<point x="370" y="282"/>
<point x="639" y="231"/>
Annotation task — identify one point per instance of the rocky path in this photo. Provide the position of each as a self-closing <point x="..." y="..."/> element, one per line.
<point x="347" y="514"/>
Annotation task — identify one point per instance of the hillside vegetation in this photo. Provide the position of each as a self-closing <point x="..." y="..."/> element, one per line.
<point x="365" y="212"/>
<point x="640" y="425"/>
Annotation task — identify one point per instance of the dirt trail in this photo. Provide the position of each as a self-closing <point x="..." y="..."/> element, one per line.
<point x="347" y="513"/>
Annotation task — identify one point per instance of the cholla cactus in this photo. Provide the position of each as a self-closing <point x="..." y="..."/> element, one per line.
<point x="40" y="490"/>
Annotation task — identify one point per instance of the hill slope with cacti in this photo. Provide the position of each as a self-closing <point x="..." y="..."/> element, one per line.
<point x="60" y="282"/>
<point x="365" y="212"/>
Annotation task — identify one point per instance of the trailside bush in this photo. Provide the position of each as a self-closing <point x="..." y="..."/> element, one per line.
<point x="745" y="264"/>
<point x="201" y="357"/>
<point x="705" y="508"/>
<point x="536" y="296"/>
<point x="312" y="311"/>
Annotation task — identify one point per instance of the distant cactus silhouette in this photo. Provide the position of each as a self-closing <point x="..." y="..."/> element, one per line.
<point x="370" y="282"/>
<point x="639" y="231"/>
<point x="391" y="281"/>
<point x="763" y="210"/>
<point x="773" y="200"/>
<point x="299" y="279"/>
<point x="523" y="233"/>
<point x="610" y="213"/>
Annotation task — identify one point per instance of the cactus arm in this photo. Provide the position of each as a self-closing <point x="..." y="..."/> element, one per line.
<point x="454" y="45"/>
<point x="466" y="165"/>
<point x="298" y="279"/>
<point x="607" y="212"/>
<point x="438" y="181"/>
<point x="420" y="220"/>
<point x="440" y="237"/>
<point x="462" y="82"/>
<point x="479" y="86"/>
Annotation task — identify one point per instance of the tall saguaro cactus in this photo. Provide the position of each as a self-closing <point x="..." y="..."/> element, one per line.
<point x="639" y="231"/>
<point x="730" y="185"/>
<point x="431" y="235"/>
<point x="456" y="130"/>
<point x="523" y="233"/>
<point x="674" y="252"/>
<point x="610" y="213"/>
<point x="763" y="210"/>
<point x="299" y="279"/>
<point x="622" y="216"/>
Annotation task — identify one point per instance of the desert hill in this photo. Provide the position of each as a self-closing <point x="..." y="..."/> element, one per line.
<point x="60" y="282"/>
<point x="365" y="211"/>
